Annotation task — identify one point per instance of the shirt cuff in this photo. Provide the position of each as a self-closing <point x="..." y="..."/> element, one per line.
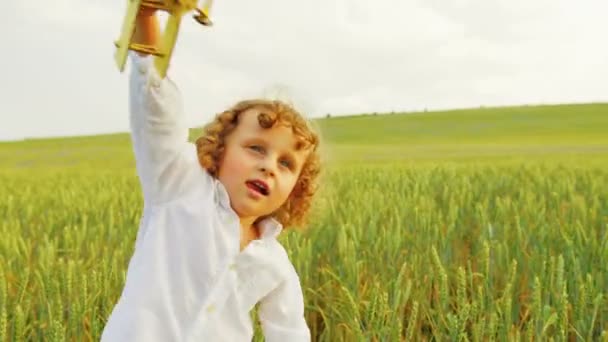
<point x="143" y="66"/>
<point x="276" y="333"/>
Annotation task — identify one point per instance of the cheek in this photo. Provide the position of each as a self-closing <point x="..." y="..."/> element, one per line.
<point x="287" y="187"/>
<point x="231" y="165"/>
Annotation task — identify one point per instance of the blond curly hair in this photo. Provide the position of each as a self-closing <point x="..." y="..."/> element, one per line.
<point x="210" y="148"/>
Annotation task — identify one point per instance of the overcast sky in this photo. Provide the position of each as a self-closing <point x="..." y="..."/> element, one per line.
<point x="326" y="56"/>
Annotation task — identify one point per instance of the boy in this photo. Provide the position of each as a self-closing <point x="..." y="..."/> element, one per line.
<point x="206" y="249"/>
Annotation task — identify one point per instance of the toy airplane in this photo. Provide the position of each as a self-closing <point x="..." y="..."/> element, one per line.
<point x="162" y="53"/>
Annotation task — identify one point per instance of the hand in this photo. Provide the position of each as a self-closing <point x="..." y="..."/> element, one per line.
<point x="147" y="28"/>
<point x="145" y="11"/>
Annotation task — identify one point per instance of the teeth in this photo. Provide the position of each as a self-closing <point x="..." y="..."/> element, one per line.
<point x="261" y="187"/>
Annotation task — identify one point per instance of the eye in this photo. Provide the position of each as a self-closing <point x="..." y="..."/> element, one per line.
<point x="286" y="163"/>
<point x="257" y="148"/>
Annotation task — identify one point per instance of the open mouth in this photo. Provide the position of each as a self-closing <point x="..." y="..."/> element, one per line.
<point x="258" y="186"/>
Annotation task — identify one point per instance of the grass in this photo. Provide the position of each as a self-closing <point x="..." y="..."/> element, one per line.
<point x="484" y="224"/>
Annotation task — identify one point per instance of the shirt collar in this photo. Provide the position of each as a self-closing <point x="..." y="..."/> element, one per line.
<point x="222" y="195"/>
<point x="269" y="227"/>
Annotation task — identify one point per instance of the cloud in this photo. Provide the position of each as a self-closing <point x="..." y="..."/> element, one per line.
<point x="337" y="56"/>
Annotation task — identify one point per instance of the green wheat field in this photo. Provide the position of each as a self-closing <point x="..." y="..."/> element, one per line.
<point x="466" y="225"/>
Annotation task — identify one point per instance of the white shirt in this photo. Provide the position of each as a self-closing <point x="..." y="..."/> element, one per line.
<point x="187" y="279"/>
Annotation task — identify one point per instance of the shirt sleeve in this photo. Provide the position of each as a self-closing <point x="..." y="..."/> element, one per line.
<point x="281" y="313"/>
<point x="159" y="133"/>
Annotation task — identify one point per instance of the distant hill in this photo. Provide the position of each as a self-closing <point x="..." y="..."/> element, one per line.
<point x="523" y="131"/>
<point x="588" y="122"/>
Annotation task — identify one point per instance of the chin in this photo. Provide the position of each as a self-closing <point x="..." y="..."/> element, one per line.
<point x="246" y="211"/>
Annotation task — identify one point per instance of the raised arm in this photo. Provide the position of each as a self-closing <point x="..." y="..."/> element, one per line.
<point x="165" y="160"/>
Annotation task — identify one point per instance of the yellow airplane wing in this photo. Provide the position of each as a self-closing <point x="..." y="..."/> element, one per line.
<point x="203" y="13"/>
<point x="162" y="53"/>
<point x="128" y="26"/>
<point x="168" y="43"/>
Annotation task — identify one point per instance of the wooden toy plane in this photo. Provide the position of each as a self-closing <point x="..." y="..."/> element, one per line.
<point x="162" y="53"/>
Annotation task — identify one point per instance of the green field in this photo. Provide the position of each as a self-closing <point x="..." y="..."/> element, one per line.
<point x="483" y="224"/>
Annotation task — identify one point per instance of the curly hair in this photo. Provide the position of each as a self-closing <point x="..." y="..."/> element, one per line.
<point x="211" y="145"/>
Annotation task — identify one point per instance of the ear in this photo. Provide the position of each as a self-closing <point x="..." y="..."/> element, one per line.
<point x="218" y="160"/>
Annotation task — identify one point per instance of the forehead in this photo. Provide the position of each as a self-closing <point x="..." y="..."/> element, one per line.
<point x="280" y="135"/>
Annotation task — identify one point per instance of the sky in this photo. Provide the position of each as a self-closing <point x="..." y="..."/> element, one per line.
<point x="324" y="56"/>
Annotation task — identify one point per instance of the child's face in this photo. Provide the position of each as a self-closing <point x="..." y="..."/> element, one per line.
<point x="253" y="153"/>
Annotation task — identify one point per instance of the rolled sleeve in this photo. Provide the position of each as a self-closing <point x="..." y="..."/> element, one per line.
<point x="159" y="132"/>
<point x="281" y="313"/>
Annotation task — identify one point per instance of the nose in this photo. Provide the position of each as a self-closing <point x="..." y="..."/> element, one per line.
<point x="267" y="167"/>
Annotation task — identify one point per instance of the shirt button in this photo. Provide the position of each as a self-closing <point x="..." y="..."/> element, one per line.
<point x="210" y="308"/>
<point x="155" y="83"/>
<point x="142" y="68"/>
